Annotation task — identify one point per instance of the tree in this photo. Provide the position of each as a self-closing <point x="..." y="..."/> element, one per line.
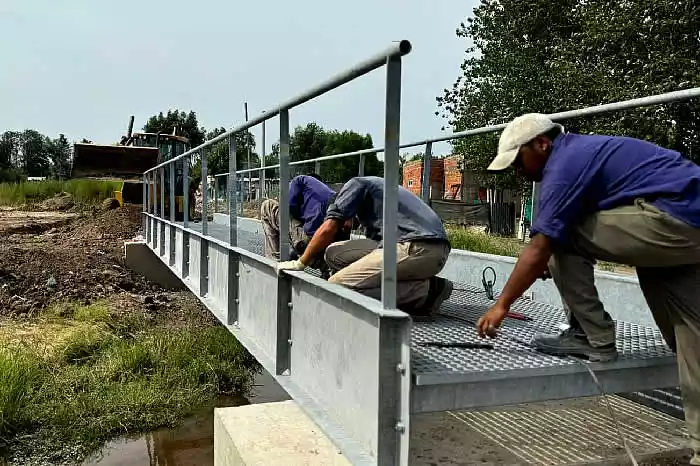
<point x="563" y="54"/>
<point x="312" y="141"/>
<point x="59" y="152"/>
<point x="217" y="161"/>
<point x="184" y="124"/>
<point x="35" y="154"/>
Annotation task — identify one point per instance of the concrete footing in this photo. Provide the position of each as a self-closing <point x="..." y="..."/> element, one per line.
<point x="142" y="260"/>
<point x="271" y="434"/>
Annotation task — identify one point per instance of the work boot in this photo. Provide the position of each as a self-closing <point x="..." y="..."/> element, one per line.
<point x="573" y="342"/>
<point x="440" y="290"/>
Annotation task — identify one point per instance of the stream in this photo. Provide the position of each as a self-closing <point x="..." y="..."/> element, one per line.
<point x="190" y="444"/>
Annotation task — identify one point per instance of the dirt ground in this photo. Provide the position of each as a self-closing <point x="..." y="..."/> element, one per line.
<point x="47" y="257"/>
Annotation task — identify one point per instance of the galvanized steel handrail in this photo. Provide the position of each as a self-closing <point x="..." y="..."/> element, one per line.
<point x="668" y="97"/>
<point x="397" y="49"/>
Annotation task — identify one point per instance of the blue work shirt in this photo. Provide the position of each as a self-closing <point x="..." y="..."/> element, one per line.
<point x="364" y="197"/>
<point x="308" y="201"/>
<point x="586" y="174"/>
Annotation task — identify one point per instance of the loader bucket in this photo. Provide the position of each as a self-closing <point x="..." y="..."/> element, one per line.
<point x="94" y="160"/>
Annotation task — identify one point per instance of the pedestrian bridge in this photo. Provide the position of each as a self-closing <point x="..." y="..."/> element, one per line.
<point x="356" y="365"/>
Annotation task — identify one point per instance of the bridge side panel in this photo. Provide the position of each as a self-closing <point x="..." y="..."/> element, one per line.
<point x="195" y="253"/>
<point x="257" y="309"/>
<point x="178" y="252"/>
<point x="218" y="276"/>
<point x="334" y="358"/>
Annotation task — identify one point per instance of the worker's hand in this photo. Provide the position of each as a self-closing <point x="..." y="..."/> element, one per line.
<point x="290" y="265"/>
<point x="489" y="322"/>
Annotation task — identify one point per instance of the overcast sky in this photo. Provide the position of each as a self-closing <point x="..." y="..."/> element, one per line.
<point x="82" y="67"/>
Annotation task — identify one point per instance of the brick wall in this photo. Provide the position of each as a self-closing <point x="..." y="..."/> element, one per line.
<point x="453" y="177"/>
<point x="413" y="177"/>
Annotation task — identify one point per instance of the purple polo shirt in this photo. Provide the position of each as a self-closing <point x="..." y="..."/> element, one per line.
<point x="586" y="174"/>
<point x="308" y="201"/>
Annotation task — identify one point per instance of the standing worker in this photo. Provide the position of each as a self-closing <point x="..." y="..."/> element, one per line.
<point x="309" y="198"/>
<point x="615" y="199"/>
<point x="421" y="251"/>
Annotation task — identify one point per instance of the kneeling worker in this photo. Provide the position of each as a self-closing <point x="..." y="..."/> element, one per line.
<point x="309" y="198"/>
<point x="421" y="251"/>
<point x="616" y="199"/>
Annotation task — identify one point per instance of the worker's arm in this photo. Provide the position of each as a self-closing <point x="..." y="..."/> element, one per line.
<point x="530" y="266"/>
<point x="344" y="207"/>
<point x="323" y="237"/>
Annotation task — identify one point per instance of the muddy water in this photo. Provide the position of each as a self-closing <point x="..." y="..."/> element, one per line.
<point x="190" y="444"/>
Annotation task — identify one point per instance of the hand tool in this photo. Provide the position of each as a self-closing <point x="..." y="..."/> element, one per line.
<point x="518" y="316"/>
<point x="457" y="344"/>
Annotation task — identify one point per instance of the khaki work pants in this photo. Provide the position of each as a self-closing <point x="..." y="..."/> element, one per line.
<point x="270" y="217"/>
<point x="666" y="254"/>
<point x="357" y="264"/>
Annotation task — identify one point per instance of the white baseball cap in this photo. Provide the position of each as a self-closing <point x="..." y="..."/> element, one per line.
<point x="518" y="132"/>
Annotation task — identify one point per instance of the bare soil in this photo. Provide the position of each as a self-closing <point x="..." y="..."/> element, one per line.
<point x="47" y="257"/>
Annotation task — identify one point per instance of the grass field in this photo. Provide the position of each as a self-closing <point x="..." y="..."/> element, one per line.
<point x="80" y="375"/>
<point x="83" y="191"/>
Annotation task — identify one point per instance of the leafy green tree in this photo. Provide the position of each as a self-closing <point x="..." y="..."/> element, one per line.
<point x="563" y="54"/>
<point x="312" y="141"/>
<point x="59" y="152"/>
<point x="35" y="154"/>
<point x="184" y="124"/>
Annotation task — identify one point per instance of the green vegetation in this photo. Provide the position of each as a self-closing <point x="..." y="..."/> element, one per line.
<point x="471" y="240"/>
<point x="83" y="191"/>
<point x="83" y="374"/>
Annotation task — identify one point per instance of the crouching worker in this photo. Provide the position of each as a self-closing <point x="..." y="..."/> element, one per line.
<point x="616" y="199"/>
<point x="309" y="198"/>
<point x="421" y="251"/>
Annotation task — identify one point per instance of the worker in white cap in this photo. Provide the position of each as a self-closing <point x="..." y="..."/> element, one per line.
<point x="615" y="199"/>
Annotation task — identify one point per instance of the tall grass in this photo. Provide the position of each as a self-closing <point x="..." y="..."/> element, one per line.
<point x="104" y="380"/>
<point x="470" y="240"/>
<point x="20" y="372"/>
<point x="83" y="191"/>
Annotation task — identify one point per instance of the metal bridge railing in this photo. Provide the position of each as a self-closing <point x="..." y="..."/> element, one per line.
<point x="391" y="58"/>
<point x="659" y="99"/>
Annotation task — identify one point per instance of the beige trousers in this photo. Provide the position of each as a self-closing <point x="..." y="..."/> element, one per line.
<point x="666" y="254"/>
<point x="270" y="218"/>
<point x="358" y="265"/>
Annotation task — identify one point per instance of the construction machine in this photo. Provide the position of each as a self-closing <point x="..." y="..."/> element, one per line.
<point x="129" y="159"/>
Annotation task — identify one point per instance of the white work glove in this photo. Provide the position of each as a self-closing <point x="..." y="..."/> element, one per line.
<point x="290" y="265"/>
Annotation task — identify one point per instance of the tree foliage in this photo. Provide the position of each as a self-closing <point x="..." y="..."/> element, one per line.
<point x="564" y="54"/>
<point x="30" y="153"/>
<point x="313" y="141"/>
<point x="184" y="124"/>
<point x="217" y="160"/>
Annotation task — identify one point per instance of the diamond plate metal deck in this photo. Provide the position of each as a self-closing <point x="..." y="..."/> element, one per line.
<point x="512" y="355"/>
<point x="453" y="378"/>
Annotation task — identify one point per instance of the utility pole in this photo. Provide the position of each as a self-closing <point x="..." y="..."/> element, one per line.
<point x="250" y="174"/>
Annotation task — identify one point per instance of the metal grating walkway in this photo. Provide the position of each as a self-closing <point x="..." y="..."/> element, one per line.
<point x="452" y="378"/>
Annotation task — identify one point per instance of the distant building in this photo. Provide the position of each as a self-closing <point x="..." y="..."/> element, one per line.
<point x="413" y="177"/>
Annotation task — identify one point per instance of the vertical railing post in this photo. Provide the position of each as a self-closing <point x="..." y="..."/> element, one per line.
<point x="154" y="210"/>
<point x="216" y="192"/>
<point x="394" y="367"/>
<point x="317" y="167"/>
<point x="263" y="188"/>
<point x="185" y="266"/>
<point x="425" y="182"/>
<point x="391" y="180"/>
<point x="204" y="252"/>
<point x="146" y="208"/>
<point x="361" y="166"/>
<point x="233" y="258"/>
<point x="284" y="283"/>
<point x="171" y="228"/>
<point x="161" y="231"/>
